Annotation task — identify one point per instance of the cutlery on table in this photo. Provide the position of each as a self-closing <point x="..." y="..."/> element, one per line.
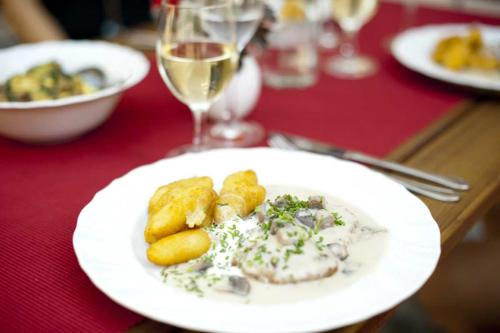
<point x="285" y="141"/>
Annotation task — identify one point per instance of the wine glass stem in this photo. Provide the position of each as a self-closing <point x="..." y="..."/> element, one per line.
<point x="349" y="46"/>
<point x="199" y="117"/>
<point x="230" y="112"/>
<point x="410" y="13"/>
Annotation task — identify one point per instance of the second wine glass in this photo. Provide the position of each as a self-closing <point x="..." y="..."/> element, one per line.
<point x="351" y="15"/>
<point x="196" y="61"/>
<point x="230" y="131"/>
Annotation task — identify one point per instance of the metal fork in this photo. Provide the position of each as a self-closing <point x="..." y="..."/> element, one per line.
<point x="430" y="191"/>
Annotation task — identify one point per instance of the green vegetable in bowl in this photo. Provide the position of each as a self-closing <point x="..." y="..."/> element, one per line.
<point x="3" y="97"/>
<point x="44" y="82"/>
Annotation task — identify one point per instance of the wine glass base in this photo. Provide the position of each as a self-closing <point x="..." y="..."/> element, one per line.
<point x="357" y="67"/>
<point x="279" y="81"/>
<point x="187" y="148"/>
<point x="238" y="134"/>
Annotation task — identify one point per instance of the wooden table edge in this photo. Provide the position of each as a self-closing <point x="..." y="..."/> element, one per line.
<point x="478" y="207"/>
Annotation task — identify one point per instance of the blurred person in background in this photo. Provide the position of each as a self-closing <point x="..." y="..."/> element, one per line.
<point x="38" y="20"/>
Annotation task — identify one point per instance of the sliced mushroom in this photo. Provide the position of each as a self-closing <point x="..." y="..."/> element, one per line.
<point x="305" y="217"/>
<point x="316" y="201"/>
<point x="283" y="238"/>
<point x="369" y="230"/>
<point x="235" y="284"/>
<point x="280" y="202"/>
<point x="339" y="250"/>
<point x="239" y="284"/>
<point x="321" y="256"/>
<point x="201" y="266"/>
<point x="261" y="213"/>
<point x="274" y="228"/>
<point x="325" y="219"/>
<point x="351" y="267"/>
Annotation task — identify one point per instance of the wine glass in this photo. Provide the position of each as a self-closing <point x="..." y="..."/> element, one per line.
<point x="230" y="131"/>
<point x="351" y="15"/>
<point x="195" y="62"/>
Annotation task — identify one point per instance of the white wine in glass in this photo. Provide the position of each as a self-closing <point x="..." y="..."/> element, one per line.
<point x="196" y="63"/>
<point x="197" y="72"/>
<point x="351" y="15"/>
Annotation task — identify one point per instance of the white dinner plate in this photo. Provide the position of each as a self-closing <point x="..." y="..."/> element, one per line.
<point x="413" y="48"/>
<point x="110" y="247"/>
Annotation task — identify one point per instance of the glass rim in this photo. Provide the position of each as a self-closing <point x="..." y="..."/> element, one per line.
<point x="193" y="6"/>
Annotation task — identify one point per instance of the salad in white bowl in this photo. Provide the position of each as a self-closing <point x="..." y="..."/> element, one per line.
<point x="56" y="91"/>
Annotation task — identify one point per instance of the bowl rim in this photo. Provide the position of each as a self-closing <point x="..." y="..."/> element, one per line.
<point x="133" y="79"/>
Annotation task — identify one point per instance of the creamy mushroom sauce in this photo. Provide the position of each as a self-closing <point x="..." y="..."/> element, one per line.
<point x="269" y="257"/>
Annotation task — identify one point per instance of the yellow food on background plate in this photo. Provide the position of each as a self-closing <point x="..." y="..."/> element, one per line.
<point x="240" y="195"/>
<point x="179" y="205"/>
<point x="180" y="247"/>
<point x="292" y="11"/>
<point x="465" y="52"/>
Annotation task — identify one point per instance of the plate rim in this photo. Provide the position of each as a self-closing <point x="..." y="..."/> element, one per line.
<point x="430" y="73"/>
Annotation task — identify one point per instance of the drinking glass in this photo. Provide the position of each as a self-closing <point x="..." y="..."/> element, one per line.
<point x="196" y="60"/>
<point x="410" y="13"/>
<point x="351" y="15"/>
<point x="291" y="57"/>
<point x="231" y="131"/>
<point x="328" y="37"/>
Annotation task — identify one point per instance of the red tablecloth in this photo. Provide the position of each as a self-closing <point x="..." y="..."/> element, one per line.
<point x="43" y="188"/>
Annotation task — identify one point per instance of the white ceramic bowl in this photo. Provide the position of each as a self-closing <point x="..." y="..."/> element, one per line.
<point x="66" y="118"/>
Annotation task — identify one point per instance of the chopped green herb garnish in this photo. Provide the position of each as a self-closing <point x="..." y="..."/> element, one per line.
<point x="284" y="207"/>
<point x="338" y="219"/>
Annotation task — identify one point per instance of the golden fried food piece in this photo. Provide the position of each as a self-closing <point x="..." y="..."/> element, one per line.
<point x="484" y="61"/>
<point x="462" y="52"/>
<point x="452" y="53"/>
<point x="292" y="11"/>
<point x="179" y="205"/>
<point x="165" y="193"/>
<point x="240" y="195"/>
<point x="180" y="247"/>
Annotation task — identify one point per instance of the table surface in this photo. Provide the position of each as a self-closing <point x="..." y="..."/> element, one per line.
<point x="407" y="118"/>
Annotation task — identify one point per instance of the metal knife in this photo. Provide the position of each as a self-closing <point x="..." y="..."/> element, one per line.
<point x="305" y="144"/>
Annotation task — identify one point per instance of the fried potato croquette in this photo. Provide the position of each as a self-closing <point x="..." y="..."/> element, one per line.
<point x="180" y="247"/>
<point x="240" y="195"/>
<point x="179" y="205"/>
<point x="164" y="193"/>
<point x="462" y="52"/>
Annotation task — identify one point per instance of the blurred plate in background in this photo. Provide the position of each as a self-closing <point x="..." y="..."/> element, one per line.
<point x="414" y="47"/>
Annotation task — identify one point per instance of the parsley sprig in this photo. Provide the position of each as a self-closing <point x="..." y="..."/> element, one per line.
<point x="285" y="207"/>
